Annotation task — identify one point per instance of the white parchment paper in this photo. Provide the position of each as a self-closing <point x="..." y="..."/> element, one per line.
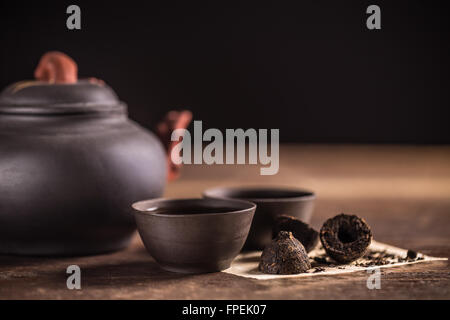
<point x="246" y="264"/>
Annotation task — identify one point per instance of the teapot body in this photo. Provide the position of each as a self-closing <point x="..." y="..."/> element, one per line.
<point x="67" y="181"/>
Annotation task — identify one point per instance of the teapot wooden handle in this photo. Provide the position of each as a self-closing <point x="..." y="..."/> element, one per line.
<point x="173" y="120"/>
<point x="56" y="67"/>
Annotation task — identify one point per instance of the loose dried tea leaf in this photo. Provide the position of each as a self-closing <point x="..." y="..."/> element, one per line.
<point x="345" y="237"/>
<point x="321" y="260"/>
<point x="411" y="254"/>
<point x="284" y="255"/>
<point x="300" y="230"/>
<point x="319" y="269"/>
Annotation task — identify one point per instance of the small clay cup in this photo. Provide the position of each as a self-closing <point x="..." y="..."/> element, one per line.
<point x="194" y="235"/>
<point x="270" y="203"/>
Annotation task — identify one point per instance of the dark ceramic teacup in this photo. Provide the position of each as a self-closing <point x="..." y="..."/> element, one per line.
<point x="194" y="235"/>
<point x="270" y="202"/>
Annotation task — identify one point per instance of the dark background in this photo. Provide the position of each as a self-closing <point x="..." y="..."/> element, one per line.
<point x="310" y="68"/>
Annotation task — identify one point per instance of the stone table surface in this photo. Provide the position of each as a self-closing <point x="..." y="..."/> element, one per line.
<point x="403" y="192"/>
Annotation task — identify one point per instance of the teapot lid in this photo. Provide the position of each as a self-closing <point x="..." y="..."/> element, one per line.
<point x="57" y="90"/>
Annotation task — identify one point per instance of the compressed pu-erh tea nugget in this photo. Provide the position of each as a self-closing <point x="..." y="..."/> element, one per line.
<point x="284" y="255"/>
<point x="300" y="230"/>
<point x="345" y="237"/>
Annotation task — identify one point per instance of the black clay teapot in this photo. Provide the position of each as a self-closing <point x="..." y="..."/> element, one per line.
<point x="72" y="163"/>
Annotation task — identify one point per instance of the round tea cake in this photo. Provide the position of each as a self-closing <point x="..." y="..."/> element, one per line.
<point x="300" y="230"/>
<point x="345" y="237"/>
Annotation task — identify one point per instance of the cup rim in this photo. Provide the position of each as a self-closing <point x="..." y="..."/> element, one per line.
<point x="251" y="207"/>
<point x="304" y="194"/>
